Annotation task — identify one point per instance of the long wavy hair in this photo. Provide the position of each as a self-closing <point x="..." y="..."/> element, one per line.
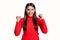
<point x="34" y="17"/>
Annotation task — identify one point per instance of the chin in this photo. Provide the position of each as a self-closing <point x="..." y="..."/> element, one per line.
<point x="30" y="15"/>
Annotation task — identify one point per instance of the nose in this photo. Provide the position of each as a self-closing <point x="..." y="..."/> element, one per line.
<point x="29" y="11"/>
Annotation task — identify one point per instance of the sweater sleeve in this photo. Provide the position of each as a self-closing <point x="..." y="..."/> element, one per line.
<point x="42" y="24"/>
<point x="18" y="27"/>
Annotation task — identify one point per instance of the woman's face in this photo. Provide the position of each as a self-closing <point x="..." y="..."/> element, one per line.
<point x="30" y="10"/>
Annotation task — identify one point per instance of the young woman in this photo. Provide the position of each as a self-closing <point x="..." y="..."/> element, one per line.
<point x="30" y="23"/>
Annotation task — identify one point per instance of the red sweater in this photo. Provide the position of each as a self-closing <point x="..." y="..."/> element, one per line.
<point x="30" y="33"/>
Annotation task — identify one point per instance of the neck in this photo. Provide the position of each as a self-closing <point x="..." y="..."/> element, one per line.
<point x="30" y="16"/>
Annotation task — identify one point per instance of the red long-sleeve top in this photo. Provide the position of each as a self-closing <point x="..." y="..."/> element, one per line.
<point x="30" y="33"/>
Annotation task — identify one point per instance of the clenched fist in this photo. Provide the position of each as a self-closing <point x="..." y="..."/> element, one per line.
<point x="40" y="16"/>
<point x="18" y="18"/>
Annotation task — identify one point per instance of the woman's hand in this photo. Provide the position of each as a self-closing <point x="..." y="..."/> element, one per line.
<point x="18" y="18"/>
<point x="40" y="16"/>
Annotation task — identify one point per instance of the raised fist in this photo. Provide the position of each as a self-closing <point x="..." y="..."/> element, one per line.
<point x="18" y="18"/>
<point x="40" y="16"/>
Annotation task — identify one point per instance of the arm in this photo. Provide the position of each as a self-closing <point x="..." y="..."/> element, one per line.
<point x="43" y="26"/>
<point x="18" y="27"/>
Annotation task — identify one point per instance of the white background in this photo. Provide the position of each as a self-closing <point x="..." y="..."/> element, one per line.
<point x="9" y="9"/>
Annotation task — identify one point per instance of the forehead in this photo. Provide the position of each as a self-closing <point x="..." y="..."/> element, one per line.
<point x="30" y="7"/>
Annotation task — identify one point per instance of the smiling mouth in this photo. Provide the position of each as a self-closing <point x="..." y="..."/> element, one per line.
<point x="30" y="13"/>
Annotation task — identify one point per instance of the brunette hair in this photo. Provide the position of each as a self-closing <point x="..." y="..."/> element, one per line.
<point x="34" y="17"/>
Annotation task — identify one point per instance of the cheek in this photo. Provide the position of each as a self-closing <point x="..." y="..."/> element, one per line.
<point x="32" y="12"/>
<point x="27" y="11"/>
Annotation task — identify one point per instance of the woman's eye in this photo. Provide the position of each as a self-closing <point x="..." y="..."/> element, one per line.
<point x="31" y="9"/>
<point x="27" y="9"/>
